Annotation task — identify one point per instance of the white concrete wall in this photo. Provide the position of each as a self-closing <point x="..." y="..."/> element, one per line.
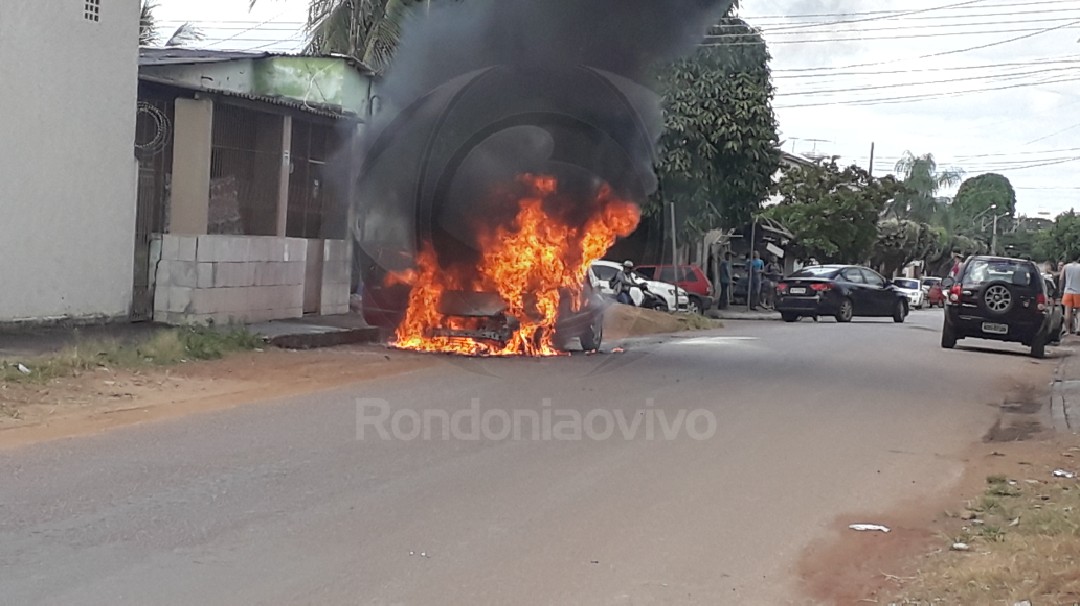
<point x="68" y="90"/>
<point x="229" y="279"/>
<point x="336" y="278"/>
<point x="234" y="76"/>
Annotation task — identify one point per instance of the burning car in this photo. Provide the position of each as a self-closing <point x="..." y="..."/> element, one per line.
<point x="485" y="205"/>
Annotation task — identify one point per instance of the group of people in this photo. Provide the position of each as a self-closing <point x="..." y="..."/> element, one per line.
<point x="764" y="277"/>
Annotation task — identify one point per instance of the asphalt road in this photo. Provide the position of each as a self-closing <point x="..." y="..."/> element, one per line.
<point x="281" y="503"/>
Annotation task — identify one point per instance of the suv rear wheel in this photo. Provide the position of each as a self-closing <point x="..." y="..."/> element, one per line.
<point x="1038" y="346"/>
<point x="997" y="298"/>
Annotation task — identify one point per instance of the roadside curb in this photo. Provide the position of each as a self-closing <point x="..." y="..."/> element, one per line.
<point x="1065" y="393"/>
<point x="736" y="316"/>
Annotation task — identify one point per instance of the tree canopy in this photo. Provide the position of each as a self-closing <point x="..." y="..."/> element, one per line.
<point x="978" y="194"/>
<point x="922" y="180"/>
<point x="719" y="151"/>
<point x="833" y="212"/>
<point x="368" y="30"/>
<point x="1062" y="241"/>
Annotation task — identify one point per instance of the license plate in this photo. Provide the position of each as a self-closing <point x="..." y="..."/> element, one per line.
<point x="995" y="329"/>
<point x="798" y="291"/>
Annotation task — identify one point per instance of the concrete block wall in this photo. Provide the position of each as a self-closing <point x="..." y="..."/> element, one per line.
<point x="336" y="278"/>
<point x="229" y="279"/>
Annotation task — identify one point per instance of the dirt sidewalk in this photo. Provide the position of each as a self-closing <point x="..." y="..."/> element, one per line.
<point x="104" y="397"/>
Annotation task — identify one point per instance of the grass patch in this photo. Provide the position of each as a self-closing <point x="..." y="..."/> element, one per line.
<point x="164" y="347"/>
<point x="1027" y="547"/>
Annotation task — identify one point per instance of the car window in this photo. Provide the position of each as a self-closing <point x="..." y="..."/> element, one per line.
<point x="816" y="271"/>
<point x="873" y="278"/>
<point x="688" y="274"/>
<point x="983" y="271"/>
<point x="648" y="272"/>
<point x="852" y="275"/>
<point x="604" y="272"/>
<point x="906" y="283"/>
<point x="667" y="274"/>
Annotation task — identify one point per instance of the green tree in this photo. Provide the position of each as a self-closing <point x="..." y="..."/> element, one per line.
<point x="978" y="194"/>
<point x="148" y="29"/>
<point x="922" y="180"/>
<point x="901" y="241"/>
<point x="150" y="34"/>
<point x="1062" y="241"/>
<point x="833" y="212"/>
<point x="719" y="151"/>
<point x="367" y="30"/>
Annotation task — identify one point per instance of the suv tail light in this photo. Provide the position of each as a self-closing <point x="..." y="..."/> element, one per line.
<point x="820" y="287"/>
<point x="954" y="293"/>
<point x="1040" y="301"/>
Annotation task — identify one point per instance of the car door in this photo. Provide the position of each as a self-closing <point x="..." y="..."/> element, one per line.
<point x="855" y="285"/>
<point x="880" y="296"/>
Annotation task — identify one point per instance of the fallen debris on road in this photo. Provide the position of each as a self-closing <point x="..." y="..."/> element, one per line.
<point x="869" y="528"/>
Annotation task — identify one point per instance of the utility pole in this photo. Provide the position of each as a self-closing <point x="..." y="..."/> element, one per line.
<point x="993" y="238"/>
<point x="674" y="261"/>
<point x="750" y="266"/>
<point x="871" y="159"/>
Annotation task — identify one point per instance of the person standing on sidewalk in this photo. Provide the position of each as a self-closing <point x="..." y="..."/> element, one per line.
<point x="773" y="274"/>
<point x="756" y="269"/>
<point x="724" y="279"/>
<point x="1070" y="275"/>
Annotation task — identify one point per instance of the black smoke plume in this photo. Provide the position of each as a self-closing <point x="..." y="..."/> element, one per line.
<point x="483" y="90"/>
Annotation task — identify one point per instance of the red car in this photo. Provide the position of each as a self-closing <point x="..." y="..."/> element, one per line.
<point x="936" y="296"/>
<point x="689" y="277"/>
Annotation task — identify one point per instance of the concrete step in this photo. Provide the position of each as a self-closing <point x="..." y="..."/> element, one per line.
<point x="317" y="331"/>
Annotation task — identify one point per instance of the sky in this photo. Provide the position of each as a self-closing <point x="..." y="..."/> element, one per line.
<point x="983" y="85"/>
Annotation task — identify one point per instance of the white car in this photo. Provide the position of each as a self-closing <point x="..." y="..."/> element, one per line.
<point x="601" y="273"/>
<point x="913" y="290"/>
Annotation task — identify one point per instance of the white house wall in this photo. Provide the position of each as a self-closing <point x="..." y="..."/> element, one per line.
<point x="67" y="166"/>
<point x="230" y="76"/>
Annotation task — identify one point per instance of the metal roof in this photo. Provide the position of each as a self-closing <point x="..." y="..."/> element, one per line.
<point x="318" y="109"/>
<point x="150" y="56"/>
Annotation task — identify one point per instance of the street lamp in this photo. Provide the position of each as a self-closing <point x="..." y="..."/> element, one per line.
<point x="993" y="238"/>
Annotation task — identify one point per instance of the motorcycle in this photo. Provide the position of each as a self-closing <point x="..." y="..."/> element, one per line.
<point x="651" y="300"/>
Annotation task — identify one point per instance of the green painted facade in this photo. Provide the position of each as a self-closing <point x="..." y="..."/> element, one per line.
<point x="317" y="80"/>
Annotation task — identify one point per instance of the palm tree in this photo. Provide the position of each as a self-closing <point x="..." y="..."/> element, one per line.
<point x="367" y="30"/>
<point x="149" y="34"/>
<point x="923" y="180"/>
<point x="148" y="29"/>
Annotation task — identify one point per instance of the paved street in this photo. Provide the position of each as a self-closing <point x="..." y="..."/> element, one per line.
<point x="280" y="503"/>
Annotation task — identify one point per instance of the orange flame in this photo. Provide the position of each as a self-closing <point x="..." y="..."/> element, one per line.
<point x="531" y="265"/>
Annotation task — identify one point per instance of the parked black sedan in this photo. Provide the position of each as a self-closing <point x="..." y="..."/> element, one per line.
<point x="840" y="291"/>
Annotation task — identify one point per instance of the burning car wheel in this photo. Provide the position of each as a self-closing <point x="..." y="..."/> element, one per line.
<point x="593" y="335"/>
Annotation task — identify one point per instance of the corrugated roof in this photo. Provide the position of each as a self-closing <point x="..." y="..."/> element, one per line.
<point x="311" y="108"/>
<point x="150" y="56"/>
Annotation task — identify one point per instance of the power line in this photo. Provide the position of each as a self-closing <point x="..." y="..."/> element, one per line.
<point x="927" y="96"/>
<point x="1054" y="134"/>
<point x="898" y="15"/>
<point x="1065" y="59"/>
<point x="718" y="31"/>
<point x="940" y="54"/>
<point x="1008" y="76"/>
<point x="895" y="11"/>
<point x="710" y="40"/>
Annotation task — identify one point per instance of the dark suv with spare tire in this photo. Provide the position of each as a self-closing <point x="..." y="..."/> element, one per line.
<point x="998" y="299"/>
